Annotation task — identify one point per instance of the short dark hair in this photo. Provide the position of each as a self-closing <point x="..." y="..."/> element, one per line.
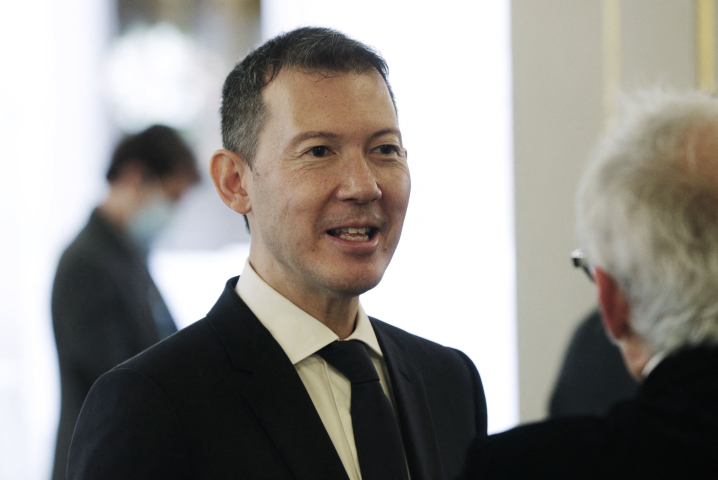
<point x="159" y="149"/>
<point x="307" y="49"/>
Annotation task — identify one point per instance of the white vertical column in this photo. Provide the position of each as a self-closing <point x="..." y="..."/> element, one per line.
<point x="706" y="45"/>
<point x="53" y="147"/>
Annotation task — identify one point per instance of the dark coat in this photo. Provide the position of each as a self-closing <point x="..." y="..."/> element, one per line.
<point x="668" y="431"/>
<point x="220" y="399"/>
<point x="593" y="376"/>
<point x="105" y="309"/>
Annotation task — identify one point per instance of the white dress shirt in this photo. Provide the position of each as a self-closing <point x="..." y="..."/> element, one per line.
<point x="300" y="335"/>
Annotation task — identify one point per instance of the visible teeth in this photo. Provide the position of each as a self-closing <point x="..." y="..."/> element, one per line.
<point x="362" y="230"/>
<point x="354" y="238"/>
<point x="353" y="233"/>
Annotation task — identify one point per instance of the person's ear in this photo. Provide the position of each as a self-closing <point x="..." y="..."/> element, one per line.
<point x="132" y="174"/>
<point x="615" y="310"/>
<point x="232" y="178"/>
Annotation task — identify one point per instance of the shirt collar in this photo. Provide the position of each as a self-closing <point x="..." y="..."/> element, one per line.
<point x="653" y="363"/>
<point x="298" y="333"/>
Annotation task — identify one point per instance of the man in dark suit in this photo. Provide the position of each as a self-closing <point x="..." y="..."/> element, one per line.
<point x="105" y="306"/>
<point x="287" y="377"/>
<point x="648" y="221"/>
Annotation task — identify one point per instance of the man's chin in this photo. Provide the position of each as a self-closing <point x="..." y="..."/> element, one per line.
<point x="355" y="286"/>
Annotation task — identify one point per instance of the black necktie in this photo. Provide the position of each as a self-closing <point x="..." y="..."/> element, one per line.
<point x="376" y="432"/>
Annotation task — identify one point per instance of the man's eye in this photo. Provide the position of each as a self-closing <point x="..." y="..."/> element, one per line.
<point x="388" y="149"/>
<point x="318" y="151"/>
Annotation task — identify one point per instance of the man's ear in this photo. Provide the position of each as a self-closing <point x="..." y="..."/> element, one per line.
<point x="133" y="174"/>
<point x="233" y="180"/>
<point x="615" y="310"/>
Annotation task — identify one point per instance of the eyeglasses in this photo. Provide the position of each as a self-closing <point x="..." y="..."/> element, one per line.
<point x="579" y="261"/>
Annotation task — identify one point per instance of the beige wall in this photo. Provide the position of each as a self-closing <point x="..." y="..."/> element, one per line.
<point x="559" y="87"/>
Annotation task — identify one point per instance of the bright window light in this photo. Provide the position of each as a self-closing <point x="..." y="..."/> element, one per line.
<point x="192" y="280"/>
<point x="53" y="145"/>
<point x="156" y="74"/>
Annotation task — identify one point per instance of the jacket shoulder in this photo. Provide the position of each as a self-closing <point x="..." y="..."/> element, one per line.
<point x="415" y="345"/>
<point x="186" y="352"/>
<point x="443" y="368"/>
<point x="128" y="416"/>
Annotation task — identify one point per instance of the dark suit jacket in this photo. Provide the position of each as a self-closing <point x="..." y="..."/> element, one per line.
<point x="669" y="431"/>
<point x="593" y="376"/>
<point x="220" y="399"/>
<point x="105" y="309"/>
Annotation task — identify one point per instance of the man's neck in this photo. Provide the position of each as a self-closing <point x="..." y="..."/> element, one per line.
<point x="339" y="317"/>
<point x="635" y="355"/>
<point x="338" y="313"/>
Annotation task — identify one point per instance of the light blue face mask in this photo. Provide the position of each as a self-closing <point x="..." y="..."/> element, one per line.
<point x="149" y="220"/>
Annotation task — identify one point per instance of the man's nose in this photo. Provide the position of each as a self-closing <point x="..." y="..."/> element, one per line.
<point x="358" y="181"/>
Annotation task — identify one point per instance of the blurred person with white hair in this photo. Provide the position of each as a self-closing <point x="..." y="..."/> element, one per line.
<point x="648" y="224"/>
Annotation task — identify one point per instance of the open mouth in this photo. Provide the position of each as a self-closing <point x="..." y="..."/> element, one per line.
<point x="359" y="234"/>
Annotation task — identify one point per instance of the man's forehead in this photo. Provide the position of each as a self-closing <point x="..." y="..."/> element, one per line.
<point x="317" y="99"/>
<point x="295" y="81"/>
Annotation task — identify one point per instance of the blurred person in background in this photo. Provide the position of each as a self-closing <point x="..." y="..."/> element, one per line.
<point x="593" y="376"/>
<point x="648" y="224"/>
<point x="105" y="306"/>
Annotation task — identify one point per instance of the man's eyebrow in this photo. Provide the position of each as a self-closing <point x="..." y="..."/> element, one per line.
<point x="387" y="131"/>
<point x="301" y="137"/>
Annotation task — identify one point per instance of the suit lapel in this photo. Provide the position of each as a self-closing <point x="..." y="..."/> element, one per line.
<point x="274" y="391"/>
<point x="414" y="416"/>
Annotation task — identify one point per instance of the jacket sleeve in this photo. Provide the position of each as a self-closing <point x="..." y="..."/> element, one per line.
<point x="128" y="429"/>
